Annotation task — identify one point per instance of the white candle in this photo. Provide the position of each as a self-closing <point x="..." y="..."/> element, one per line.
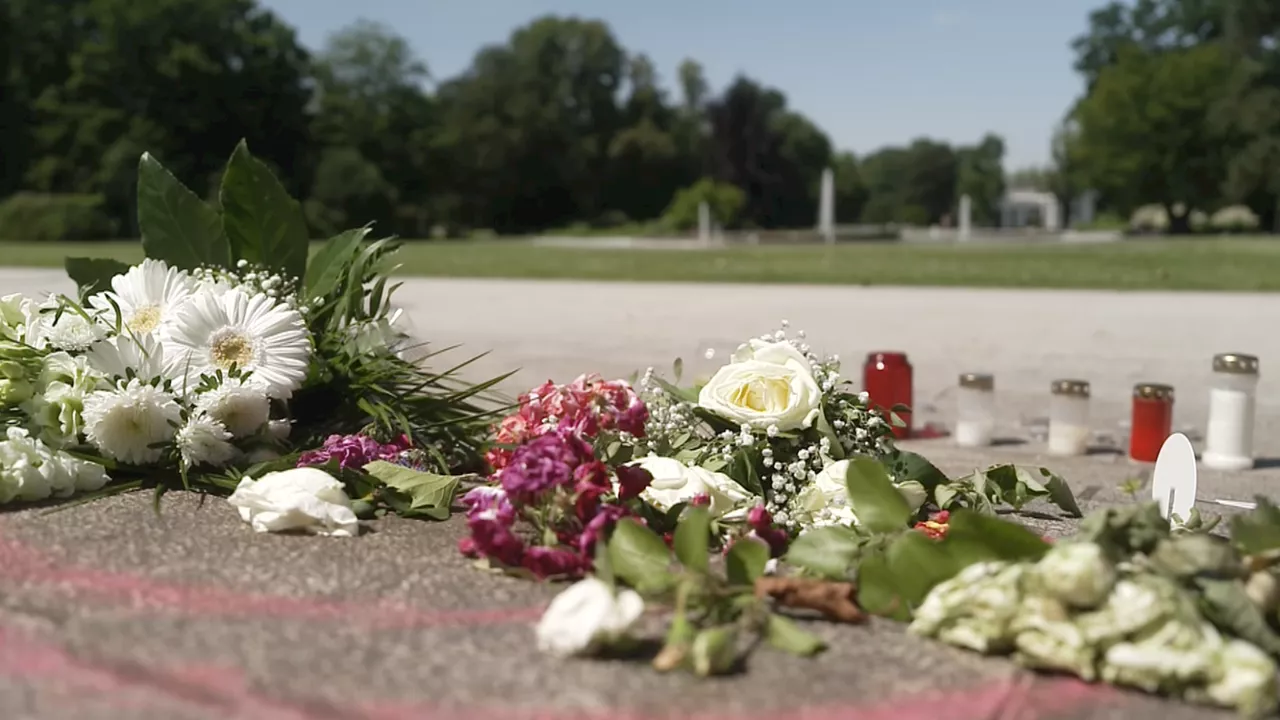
<point x="1069" y="417"/>
<point x="975" y="410"/>
<point x="1228" y="440"/>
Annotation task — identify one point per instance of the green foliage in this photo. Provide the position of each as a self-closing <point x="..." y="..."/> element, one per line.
<point x="724" y="202"/>
<point x="264" y="225"/>
<point x="93" y="275"/>
<point x="711" y="611"/>
<point x="423" y="494"/>
<point x="38" y="217"/>
<point x="177" y="226"/>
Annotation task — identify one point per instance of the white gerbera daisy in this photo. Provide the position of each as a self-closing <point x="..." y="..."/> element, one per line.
<point x="147" y="295"/>
<point x="204" y="441"/>
<point x="254" y="333"/>
<point x="122" y="356"/>
<point x="241" y="407"/>
<point x="128" y="422"/>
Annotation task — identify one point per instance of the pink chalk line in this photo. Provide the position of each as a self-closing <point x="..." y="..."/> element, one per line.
<point x="226" y="691"/>
<point x="21" y="563"/>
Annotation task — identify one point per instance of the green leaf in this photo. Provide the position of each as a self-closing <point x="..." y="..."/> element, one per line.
<point x="639" y="557"/>
<point x="785" y="635"/>
<point x="827" y="551"/>
<point x="917" y="564"/>
<point x="913" y="466"/>
<point x="878" y="592"/>
<point x="743" y="470"/>
<point x="264" y="225"/>
<point x="1226" y="604"/>
<point x="944" y="495"/>
<point x="429" y="494"/>
<point x="691" y="540"/>
<point x="177" y="226"/>
<point x="746" y="561"/>
<point x="878" y="505"/>
<point x="976" y="537"/>
<point x="1196" y="554"/>
<point x="331" y="261"/>
<point x="677" y="369"/>
<point x="93" y="275"/>
<point x="1259" y="530"/>
<point x="1057" y="489"/>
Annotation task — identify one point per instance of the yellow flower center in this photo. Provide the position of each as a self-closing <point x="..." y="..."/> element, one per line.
<point x="144" y="319"/>
<point x="231" y="348"/>
<point x="762" y="395"/>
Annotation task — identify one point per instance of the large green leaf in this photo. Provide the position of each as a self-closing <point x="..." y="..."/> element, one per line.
<point x="177" y="226"/>
<point x="878" y="505"/>
<point x="92" y="275"/>
<point x="429" y="494"/>
<point x="878" y="591"/>
<point x="785" y="635"/>
<point x="912" y="466"/>
<point x="263" y="223"/>
<point x="639" y="557"/>
<point x="331" y="261"/>
<point x="976" y="537"/>
<point x="827" y="551"/>
<point x="746" y="561"/>
<point x="692" y="540"/>
<point x="918" y="563"/>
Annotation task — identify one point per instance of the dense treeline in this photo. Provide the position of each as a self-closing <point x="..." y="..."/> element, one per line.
<point x="556" y="126"/>
<point x="560" y="126"/>
<point x="1181" y="111"/>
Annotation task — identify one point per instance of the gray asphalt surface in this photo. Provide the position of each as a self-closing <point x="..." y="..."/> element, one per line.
<point x="110" y="611"/>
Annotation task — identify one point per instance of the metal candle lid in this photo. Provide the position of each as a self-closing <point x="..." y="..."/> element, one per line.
<point x="978" y="381"/>
<point x="1235" y="363"/>
<point x="1153" y="391"/>
<point x="1077" y="388"/>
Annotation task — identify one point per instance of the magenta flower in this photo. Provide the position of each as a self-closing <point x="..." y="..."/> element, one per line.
<point x="545" y="562"/>
<point x="352" y="451"/>
<point x="544" y="464"/>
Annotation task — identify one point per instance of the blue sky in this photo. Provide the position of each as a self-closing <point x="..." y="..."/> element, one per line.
<point x="869" y="73"/>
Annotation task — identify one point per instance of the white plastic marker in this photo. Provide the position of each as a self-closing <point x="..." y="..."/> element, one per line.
<point x="1173" y="482"/>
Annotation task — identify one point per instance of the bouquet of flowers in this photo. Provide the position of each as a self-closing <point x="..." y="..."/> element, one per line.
<point x="773" y="427"/>
<point x="225" y="348"/>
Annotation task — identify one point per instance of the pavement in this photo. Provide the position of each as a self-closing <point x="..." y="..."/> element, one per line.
<point x="110" y="610"/>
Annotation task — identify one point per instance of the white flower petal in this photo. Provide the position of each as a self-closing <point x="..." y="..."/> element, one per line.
<point x="306" y="499"/>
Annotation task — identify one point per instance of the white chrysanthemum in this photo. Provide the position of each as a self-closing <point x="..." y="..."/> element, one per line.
<point x="122" y="356"/>
<point x="147" y="295"/>
<point x="62" y="329"/>
<point x="240" y="406"/>
<point x="254" y="333"/>
<point x="127" y="423"/>
<point x="204" y="441"/>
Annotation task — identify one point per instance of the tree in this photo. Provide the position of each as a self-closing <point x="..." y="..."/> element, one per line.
<point x="1145" y="133"/>
<point x="177" y="77"/>
<point x="374" y="120"/>
<point x="851" y="192"/>
<point x="981" y="177"/>
<point x="775" y="156"/>
<point x="529" y="126"/>
<point x="1147" y="25"/>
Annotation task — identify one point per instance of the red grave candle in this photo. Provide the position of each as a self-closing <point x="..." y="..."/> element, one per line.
<point x="886" y="378"/>
<point x="1152" y="420"/>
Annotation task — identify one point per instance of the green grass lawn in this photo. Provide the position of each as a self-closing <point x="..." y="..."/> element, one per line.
<point x="1192" y="264"/>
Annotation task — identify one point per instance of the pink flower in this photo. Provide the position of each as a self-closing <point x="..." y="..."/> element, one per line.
<point x="762" y="528"/>
<point x="632" y="481"/>
<point x="545" y="562"/>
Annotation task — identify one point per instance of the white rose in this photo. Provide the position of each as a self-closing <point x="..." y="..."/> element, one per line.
<point x="587" y="618"/>
<point x="306" y="499"/>
<point x="830" y="489"/>
<point x="674" y="483"/>
<point x="766" y="384"/>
